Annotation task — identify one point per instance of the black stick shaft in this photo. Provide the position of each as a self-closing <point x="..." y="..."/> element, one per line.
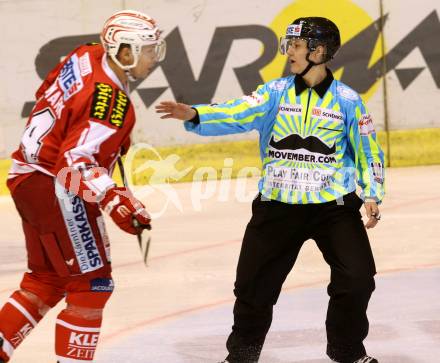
<point x="139" y="234"/>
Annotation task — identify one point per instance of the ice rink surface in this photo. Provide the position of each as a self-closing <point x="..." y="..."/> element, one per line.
<point x="179" y="309"/>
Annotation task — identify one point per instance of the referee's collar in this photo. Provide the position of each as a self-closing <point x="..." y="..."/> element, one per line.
<point x="321" y="88"/>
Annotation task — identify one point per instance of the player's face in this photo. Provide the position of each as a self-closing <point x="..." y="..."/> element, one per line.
<point x="297" y="53"/>
<point x="147" y="60"/>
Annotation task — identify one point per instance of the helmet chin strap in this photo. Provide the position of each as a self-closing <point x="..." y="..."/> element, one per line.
<point x="310" y="65"/>
<point x="307" y="69"/>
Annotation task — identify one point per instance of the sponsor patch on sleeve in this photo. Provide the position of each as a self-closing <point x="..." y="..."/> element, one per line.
<point x="102" y="285"/>
<point x="85" y="66"/>
<point x="102" y="100"/>
<point x="347" y="93"/>
<point x="70" y="80"/>
<point x="278" y="85"/>
<point x="120" y="108"/>
<point x="378" y="172"/>
<point x="254" y="99"/>
<point x="366" y="126"/>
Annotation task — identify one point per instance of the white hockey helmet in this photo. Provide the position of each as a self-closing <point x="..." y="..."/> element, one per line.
<point x="135" y="29"/>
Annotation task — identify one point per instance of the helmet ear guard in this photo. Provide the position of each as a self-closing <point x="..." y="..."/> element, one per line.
<point x="113" y="52"/>
<point x="312" y="45"/>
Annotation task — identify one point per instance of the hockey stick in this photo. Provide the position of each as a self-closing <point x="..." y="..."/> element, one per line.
<point x="144" y="249"/>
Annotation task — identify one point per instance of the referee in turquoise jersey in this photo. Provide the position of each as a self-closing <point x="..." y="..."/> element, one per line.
<point x="317" y="140"/>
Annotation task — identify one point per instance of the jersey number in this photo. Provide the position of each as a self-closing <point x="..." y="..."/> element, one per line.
<point x="39" y="126"/>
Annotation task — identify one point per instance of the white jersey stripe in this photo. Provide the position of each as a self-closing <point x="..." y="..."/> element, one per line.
<point x="78" y="328"/>
<point x="22" y="310"/>
<point x="19" y="167"/>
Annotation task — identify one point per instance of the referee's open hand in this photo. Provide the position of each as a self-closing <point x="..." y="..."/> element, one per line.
<point x="373" y="213"/>
<point x="179" y="111"/>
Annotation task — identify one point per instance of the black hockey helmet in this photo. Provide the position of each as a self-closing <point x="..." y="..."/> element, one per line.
<point x="315" y="31"/>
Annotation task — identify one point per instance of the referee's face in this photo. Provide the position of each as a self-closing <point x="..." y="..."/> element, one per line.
<point x="297" y="53"/>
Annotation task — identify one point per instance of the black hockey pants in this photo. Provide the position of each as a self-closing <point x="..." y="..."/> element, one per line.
<point x="271" y="244"/>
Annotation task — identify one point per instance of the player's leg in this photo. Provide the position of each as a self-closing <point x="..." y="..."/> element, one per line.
<point x="18" y="317"/>
<point x="88" y="290"/>
<point x="34" y="200"/>
<point x="343" y="241"/>
<point x="270" y="247"/>
<point x="25" y="308"/>
<point x="69" y="241"/>
<point x="37" y="294"/>
<point x="78" y="325"/>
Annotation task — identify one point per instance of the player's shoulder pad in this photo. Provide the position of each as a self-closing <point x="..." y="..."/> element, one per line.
<point x="347" y="93"/>
<point x="82" y="57"/>
<point x="74" y="68"/>
<point x="109" y="104"/>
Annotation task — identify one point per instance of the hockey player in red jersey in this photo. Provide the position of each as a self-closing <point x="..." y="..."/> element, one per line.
<point x="60" y="179"/>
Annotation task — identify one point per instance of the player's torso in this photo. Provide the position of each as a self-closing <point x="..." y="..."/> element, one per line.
<point x="305" y="144"/>
<point x="79" y="90"/>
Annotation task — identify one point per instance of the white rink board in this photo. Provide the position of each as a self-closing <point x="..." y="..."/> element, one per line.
<point x="30" y="25"/>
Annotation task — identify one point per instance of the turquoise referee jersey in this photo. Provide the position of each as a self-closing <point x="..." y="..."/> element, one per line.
<point x="315" y="143"/>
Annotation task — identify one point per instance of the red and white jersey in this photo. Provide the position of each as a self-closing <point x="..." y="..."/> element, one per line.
<point x="82" y="119"/>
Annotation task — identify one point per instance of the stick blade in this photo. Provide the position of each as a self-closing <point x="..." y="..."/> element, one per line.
<point x="144" y="241"/>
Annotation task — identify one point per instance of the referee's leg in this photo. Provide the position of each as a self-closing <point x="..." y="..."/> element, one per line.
<point x="341" y="236"/>
<point x="269" y="250"/>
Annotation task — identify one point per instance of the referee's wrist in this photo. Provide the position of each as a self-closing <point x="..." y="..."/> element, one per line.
<point x="195" y="119"/>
